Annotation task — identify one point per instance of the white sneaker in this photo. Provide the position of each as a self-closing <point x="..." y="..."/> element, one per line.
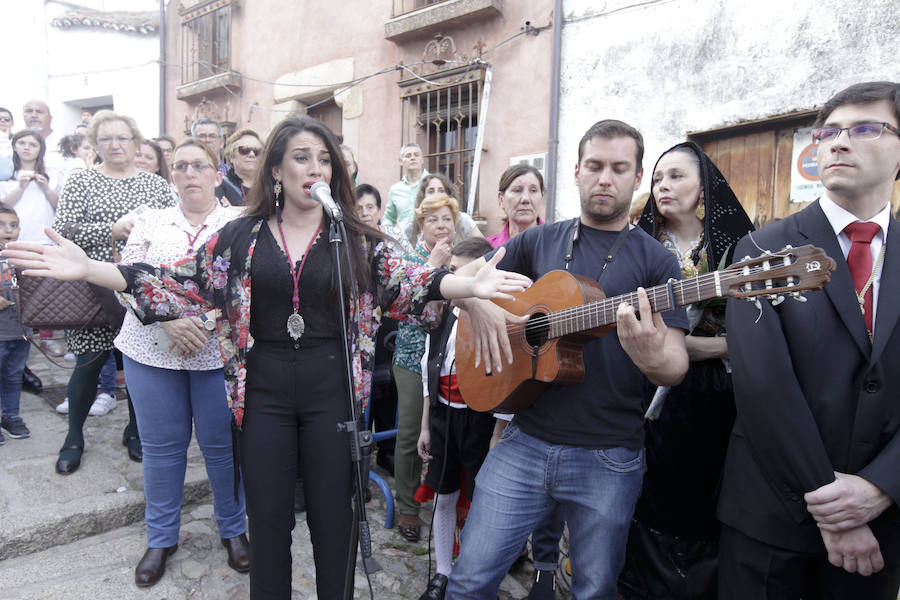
<point x="53" y="347"/>
<point x="102" y="405"/>
<point x="63" y="407"/>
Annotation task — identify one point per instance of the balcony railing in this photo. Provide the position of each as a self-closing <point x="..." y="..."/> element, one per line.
<point x="402" y="7"/>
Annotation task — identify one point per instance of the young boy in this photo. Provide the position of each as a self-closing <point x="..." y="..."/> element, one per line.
<point x="14" y="347"/>
<point x="454" y="438"/>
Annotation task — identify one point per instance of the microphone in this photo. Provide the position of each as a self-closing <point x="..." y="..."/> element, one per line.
<point x="321" y="193"/>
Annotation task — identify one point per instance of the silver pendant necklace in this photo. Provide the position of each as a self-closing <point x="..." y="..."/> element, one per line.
<point x="295" y="323"/>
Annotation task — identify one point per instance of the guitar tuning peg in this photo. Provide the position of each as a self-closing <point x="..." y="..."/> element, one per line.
<point x="776" y="299"/>
<point x="799" y="297"/>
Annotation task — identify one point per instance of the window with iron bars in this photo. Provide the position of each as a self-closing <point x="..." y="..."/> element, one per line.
<point x="206" y="44"/>
<point x="444" y="122"/>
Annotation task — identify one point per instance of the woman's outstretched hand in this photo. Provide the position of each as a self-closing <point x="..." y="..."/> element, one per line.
<point x="490" y="282"/>
<point x="65" y="262"/>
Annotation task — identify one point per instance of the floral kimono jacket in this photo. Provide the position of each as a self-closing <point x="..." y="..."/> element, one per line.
<point x="218" y="276"/>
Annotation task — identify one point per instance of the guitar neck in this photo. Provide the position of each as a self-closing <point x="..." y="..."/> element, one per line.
<point x="662" y="298"/>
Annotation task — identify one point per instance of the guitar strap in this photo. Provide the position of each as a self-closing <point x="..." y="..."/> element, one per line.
<point x="610" y="256"/>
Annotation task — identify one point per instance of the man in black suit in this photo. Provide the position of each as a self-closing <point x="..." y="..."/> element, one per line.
<point x="812" y="478"/>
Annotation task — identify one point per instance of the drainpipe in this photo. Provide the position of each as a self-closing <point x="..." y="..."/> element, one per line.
<point x="162" y="67"/>
<point x="553" y="141"/>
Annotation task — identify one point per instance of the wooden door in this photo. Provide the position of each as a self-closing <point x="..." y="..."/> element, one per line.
<point x="756" y="161"/>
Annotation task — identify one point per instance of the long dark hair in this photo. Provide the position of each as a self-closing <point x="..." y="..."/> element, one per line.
<point x="162" y="169"/>
<point x="261" y="201"/>
<point x="39" y="161"/>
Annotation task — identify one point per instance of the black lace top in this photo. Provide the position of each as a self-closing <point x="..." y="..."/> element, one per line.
<point x="273" y="289"/>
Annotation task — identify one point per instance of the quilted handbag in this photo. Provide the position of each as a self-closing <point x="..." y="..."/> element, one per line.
<point x="46" y="303"/>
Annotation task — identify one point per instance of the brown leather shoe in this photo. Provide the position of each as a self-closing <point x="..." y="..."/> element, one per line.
<point x="152" y="566"/>
<point x="409" y="527"/>
<point x="238" y="549"/>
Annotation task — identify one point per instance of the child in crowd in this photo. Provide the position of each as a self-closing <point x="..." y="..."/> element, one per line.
<point x="454" y="438"/>
<point x="13" y="346"/>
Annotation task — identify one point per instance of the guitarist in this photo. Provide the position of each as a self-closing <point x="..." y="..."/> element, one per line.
<point x="812" y="474"/>
<point x="578" y="446"/>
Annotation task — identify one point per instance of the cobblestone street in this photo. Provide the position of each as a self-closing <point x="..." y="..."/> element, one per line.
<point x="80" y="537"/>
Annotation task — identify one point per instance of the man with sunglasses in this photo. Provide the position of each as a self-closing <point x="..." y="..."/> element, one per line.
<point x="812" y="477"/>
<point x="242" y="154"/>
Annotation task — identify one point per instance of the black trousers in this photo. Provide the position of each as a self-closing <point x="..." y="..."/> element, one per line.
<point x="294" y="401"/>
<point x="752" y="570"/>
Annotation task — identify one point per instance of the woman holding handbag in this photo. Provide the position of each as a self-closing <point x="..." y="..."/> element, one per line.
<point x="93" y="212"/>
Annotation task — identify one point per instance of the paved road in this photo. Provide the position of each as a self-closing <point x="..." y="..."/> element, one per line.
<point x="79" y="537"/>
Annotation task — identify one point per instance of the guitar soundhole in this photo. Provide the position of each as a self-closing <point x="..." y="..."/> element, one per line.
<point x="537" y="329"/>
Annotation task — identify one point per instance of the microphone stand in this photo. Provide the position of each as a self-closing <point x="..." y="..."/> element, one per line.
<point x="360" y="441"/>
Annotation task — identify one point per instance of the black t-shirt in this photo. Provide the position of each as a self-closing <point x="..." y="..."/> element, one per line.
<point x="604" y="410"/>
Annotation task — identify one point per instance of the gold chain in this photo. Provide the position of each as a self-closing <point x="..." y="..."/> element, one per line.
<point x="861" y="296"/>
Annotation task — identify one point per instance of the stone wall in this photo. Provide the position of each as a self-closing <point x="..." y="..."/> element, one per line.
<point x="671" y="67"/>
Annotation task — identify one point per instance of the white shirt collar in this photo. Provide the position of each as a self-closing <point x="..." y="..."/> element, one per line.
<point x="839" y="217"/>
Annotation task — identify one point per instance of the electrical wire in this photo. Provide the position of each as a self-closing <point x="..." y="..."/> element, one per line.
<point x="338" y="88"/>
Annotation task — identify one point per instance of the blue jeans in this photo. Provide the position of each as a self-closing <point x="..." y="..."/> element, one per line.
<point x="107" y="380"/>
<point x="521" y="481"/>
<point x="13" y="355"/>
<point x="165" y="403"/>
<point x="545" y="540"/>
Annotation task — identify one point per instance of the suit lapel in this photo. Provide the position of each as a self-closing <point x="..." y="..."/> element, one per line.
<point x="888" y="307"/>
<point x="813" y="224"/>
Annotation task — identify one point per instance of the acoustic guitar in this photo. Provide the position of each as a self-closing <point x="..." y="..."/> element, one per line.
<point x="565" y="311"/>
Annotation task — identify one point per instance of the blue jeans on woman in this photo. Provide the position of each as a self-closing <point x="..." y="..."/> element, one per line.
<point x="107" y="379"/>
<point x="521" y="481"/>
<point x="166" y="403"/>
<point x="13" y="356"/>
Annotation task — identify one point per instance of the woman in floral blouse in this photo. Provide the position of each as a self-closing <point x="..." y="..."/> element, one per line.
<point x="282" y="351"/>
<point x="174" y="373"/>
<point x="436" y="219"/>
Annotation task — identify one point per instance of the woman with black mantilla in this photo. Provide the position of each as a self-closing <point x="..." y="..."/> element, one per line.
<point x="673" y="543"/>
<point x="289" y="404"/>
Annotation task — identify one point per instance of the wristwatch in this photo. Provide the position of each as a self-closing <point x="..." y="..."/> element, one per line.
<point x="208" y="323"/>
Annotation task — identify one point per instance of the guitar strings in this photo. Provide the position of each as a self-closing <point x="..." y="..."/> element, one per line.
<point x="655" y="294"/>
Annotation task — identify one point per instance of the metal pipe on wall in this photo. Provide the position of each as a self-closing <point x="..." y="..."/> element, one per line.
<point x="553" y="141"/>
<point x="162" y="67"/>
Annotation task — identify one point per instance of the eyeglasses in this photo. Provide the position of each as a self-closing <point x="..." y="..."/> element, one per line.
<point x="864" y="132"/>
<point x="121" y="140"/>
<point x="208" y="136"/>
<point x="198" y="166"/>
<point x="246" y="150"/>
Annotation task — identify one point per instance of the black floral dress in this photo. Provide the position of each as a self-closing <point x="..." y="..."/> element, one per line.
<point x="89" y="205"/>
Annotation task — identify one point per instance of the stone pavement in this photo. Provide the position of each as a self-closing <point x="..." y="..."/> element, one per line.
<point x="80" y="536"/>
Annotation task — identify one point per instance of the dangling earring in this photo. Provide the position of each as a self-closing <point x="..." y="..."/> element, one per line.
<point x="701" y="208"/>
<point x="277" y="189"/>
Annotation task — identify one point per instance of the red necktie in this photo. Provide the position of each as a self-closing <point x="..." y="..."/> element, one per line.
<point x="860" y="262"/>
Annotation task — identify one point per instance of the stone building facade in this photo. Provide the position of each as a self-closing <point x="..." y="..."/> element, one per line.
<point x="469" y="80"/>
